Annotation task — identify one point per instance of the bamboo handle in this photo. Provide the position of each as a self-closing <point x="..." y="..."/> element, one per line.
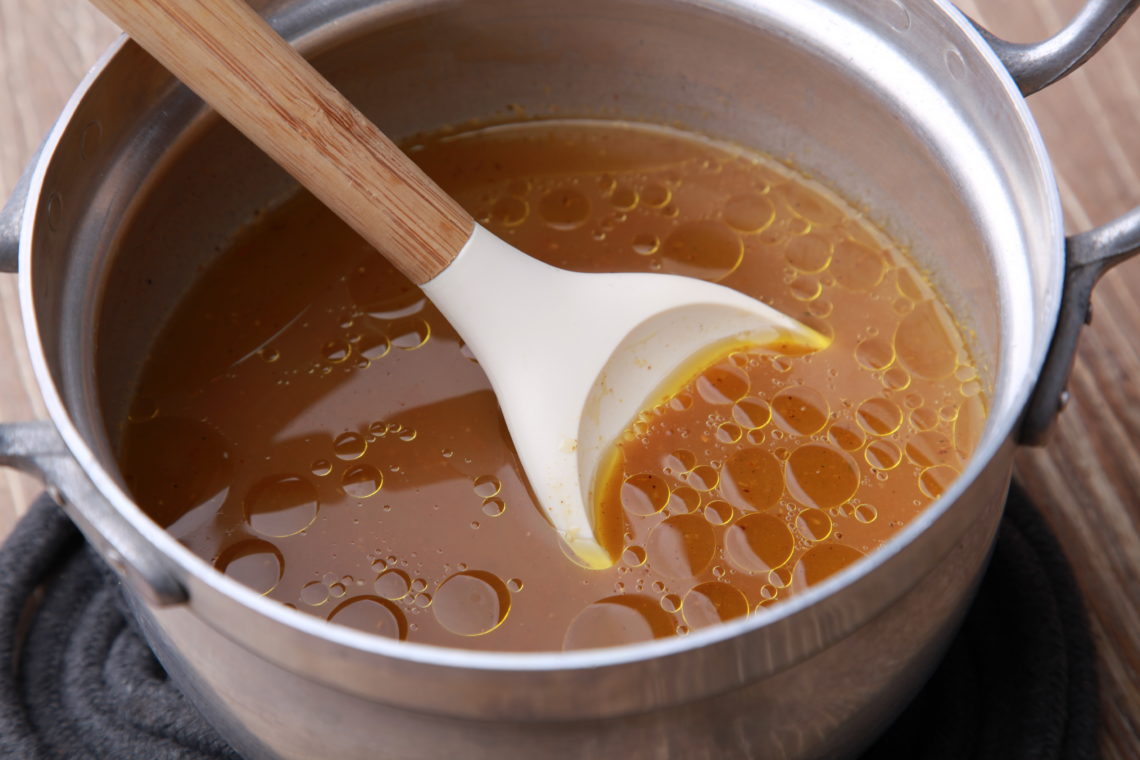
<point x="234" y="60"/>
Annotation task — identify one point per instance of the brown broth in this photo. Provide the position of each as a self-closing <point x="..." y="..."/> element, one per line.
<point x="311" y="425"/>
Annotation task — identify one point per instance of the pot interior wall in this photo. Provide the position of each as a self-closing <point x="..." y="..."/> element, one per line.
<point x="922" y="146"/>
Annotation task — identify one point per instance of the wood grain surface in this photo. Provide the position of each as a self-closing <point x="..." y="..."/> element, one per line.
<point x="1087" y="479"/>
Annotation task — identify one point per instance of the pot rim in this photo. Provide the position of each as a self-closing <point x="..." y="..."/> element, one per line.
<point x="188" y="563"/>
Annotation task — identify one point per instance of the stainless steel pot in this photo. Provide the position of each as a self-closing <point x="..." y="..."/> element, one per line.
<point x="900" y="104"/>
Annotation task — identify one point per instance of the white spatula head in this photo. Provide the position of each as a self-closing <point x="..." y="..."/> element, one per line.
<point x="573" y="358"/>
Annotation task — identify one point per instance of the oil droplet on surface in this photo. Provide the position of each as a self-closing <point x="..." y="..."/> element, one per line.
<point x="633" y="556"/>
<point x="896" y="379"/>
<point x="349" y="446"/>
<point x="750" y="213"/>
<point x="644" y="494"/>
<point x="681" y="546"/>
<point x="281" y="505"/>
<point x="857" y="267"/>
<point x="253" y="562"/>
<point x="808" y="253"/>
<point x="624" y="198"/>
<point x="515" y="585"/>
<point x="722" y="384"/>
<point x="703" y="478"/>
<point x="933" y="481"/>
<point x="923" y="418"/>
<point x="314" y="593"/>
<point x="655" y="195"/>
<point x="758" y="543"/>
<point x="616" y="620"/>
<point x="361" y="481"/>
<point x="805" y="288"/>
<point x="801" y="410"/>
<point x="929" y="448"/>
<point x="494" y="506"/>
<point x="321" y="467"/>
<point x="865" y="514"/>
<point x="684" y="500"/>
<point x="846" y="435"/>
<point x="671" y="603"/>
<point x="821" y="562"/>
<point x="706" y="249"/>
<point x="923" y="344"/>
<point x="879" y="416"/>
<point x="423" y="601"/>
<point x="713" y="602"/>
<point x="875" y="353"/>
<point x="409" y="333"/>
<point x="392" y="584"/>
<point x="374" y="345"/>
<point x="564" y="208"/>
<point x="752" y="413"/>
<point x="718" y="512"/>
<point x="820" y="476"/>
<point x="371" y="614"/>
<point x="646" y="244"/>
<point x="970" y="423"/>
<point x="336" y="351"/>
<point x="728" y="432"/>
<point x="813" y="524"/>
<point x="337" y="590"/>
<point x="472" y="603"/>
<point x="883" y="455"/>
<point x="753" y="477"/>
<point x="487" y="486"/>
<point x="679" y="461"/>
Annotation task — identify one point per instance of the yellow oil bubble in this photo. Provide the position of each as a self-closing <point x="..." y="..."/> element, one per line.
<point x="813" y="524"/>
<point x="718" y="512"/>
<point x="361" y="481"/>
<point x="681" y="546"/>
<point x="820" y="476"/>
<point x="857" y="267"/>
<point x="616" y="620"/>
<point x="656" y="195"/>
<point x="757" y="544"/>
<point x="486" y="486"/>
<point x="314" y="593"/>
<point x="879" y="416"/>
<point x="923" y="342"/>
<point x="633" y="556"/>
<point x="281" y="505"/>
<point x="253" y="562"/>
<point x="883" y="454"/>
<point x="805" y="288"/>
<point x="494" y="506"/>
<point x="392" y="584"/>
<point x="722" y="383"/>
<point x="472" y="603"/>
<point x="930" y="448"/>
<point x="703" y="477"/>
<point x="564" y="208"/>
<point x="865" y="513"/>
<point x="753" y="477"/>
<point x="752" y="413"/>
<point x="846" y="435"/>
<point x="624" y="198"/>
<point x="679" y="461"/>
<point x="821" y="308"/>
<point x="336" y="351"/>
<point x="896" y="379"/>
<point x="933" y="481"/>
<point x="713" y="602"/>
<point x="909" y="286"/>
<point x="923" y="418"/>
<point x="371" y="614"/>
<point x="749" y="213"/>
<point x="644" y="494"/>
<point x="671" y="603"/>
<point x="821" y="562"/>
<point x="706" y="249"/>
<point x="683" y="500"/>
<point x="409" y="333"/>
<point x="808" y="253"/>
<point x="349" y="446"/>
<point x="801" y="410"/>
<point x="321" y="467"/>
<point x="646" y="244"/>
<point x="875" y="353"/>
<point x="969" y="424"/>
<point x="729" y="432"/>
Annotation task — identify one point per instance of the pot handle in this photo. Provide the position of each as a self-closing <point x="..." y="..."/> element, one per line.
<point x="11" y="213"/>
<point x="1037" y="65"/>
<point x="1088" y="255"/>
<point x="36" y="448"/>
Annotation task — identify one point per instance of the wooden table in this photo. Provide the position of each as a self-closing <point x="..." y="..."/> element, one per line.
<point x="1086" y="480"/>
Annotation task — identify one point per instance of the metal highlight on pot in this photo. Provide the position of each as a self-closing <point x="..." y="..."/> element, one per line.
<point x="947" y="158"/>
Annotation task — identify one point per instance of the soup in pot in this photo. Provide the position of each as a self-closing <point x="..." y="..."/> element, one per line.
<point x="309" y="424"/>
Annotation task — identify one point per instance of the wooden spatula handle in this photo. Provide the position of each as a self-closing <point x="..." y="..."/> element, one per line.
<point x="234" y="60"/>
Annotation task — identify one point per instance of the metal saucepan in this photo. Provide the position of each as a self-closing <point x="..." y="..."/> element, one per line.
<point x="901" y="105"/>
